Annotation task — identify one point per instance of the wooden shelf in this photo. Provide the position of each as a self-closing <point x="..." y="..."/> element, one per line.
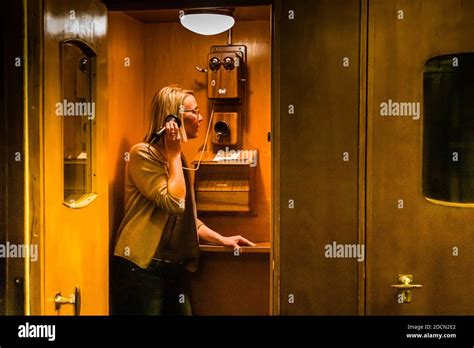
<point x="263" y="248"/>
<point x="226" y="186"/>
<point x="75" y="161"/>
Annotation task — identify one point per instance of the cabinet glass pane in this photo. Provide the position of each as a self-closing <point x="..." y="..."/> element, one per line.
<point x="448" y="132"/>
<point x="78" y="111"/>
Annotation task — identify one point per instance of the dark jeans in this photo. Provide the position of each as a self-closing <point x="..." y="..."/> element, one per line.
<point x="160" y="289"/>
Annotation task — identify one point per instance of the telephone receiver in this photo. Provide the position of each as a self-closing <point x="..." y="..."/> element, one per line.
<point x="157" y="136"/>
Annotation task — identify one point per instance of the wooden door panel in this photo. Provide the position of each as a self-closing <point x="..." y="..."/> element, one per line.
<point x="75" y="239"/>
<point x="318" y="181"/>
<point x="417" y="238"/>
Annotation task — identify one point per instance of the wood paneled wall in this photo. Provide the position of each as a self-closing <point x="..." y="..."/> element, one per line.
<point x="171" y="54"/>
<point x="126" y="111"/>
<point x="319" y="189"/>
<point x="228" y="285"/>
<point x="166" y="53"/>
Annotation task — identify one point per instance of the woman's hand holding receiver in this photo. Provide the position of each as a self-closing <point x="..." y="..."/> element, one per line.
<point x="176" y="183"/>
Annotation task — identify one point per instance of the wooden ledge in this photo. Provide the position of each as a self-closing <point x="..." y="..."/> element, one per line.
<point x="263" y="247"/>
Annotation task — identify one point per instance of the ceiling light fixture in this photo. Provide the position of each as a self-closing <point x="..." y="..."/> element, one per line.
<point x="206" y="21"/>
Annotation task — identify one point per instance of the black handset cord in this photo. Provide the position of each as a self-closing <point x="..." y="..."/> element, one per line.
<point x="205" y="140"/>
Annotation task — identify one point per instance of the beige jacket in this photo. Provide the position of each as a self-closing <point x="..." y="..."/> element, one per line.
<point x="147" y="205"/>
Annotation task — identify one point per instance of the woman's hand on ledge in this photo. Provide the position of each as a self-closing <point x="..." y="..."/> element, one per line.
<point x="235" y="241"/>
<point x="209" y="235"/>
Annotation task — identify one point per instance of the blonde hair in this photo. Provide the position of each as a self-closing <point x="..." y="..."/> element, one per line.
<point x="167" y="101"/>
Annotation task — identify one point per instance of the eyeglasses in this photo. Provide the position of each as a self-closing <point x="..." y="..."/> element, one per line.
<point x="195" y="111"/>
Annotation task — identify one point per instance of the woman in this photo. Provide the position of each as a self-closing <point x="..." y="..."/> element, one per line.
<point x="157" y="242"/>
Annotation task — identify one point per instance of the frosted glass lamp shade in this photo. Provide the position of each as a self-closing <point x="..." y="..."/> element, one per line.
<point x="207" y="22"/>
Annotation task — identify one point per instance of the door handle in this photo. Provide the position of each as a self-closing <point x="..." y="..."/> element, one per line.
<point x="74" y="299"/>
<point x="405" y="286"/>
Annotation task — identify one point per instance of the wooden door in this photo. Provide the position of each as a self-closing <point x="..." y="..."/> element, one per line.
<point x="316" y="141"/>
<point x="75" y="156"/>
<point x="406" y="233"/>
